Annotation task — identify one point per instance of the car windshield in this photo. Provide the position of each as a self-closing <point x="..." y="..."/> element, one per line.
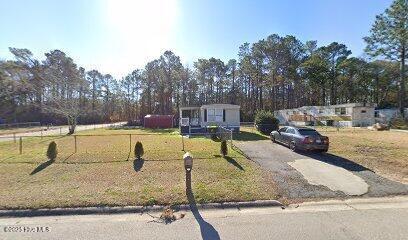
<point x="308" y="132"/>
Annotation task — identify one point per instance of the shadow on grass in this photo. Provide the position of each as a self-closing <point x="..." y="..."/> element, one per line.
<point x="206" y="229"/>
<point x="249" y="136"/>
<point x="42" y="166"/>
<point x="138" y="164"/>
<point x="233" y="162"/>
<point x="230" y="160"/>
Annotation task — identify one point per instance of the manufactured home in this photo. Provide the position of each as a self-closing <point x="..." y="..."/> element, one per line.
<point x="342" y="115"/>
<point x="197" y="119"/>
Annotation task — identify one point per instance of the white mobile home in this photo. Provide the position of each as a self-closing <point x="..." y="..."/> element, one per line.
<point x="197" y="119"/>
<point x="344" y="115"/>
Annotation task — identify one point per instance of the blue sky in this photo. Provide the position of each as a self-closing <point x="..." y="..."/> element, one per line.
<point x="117" y="36"/>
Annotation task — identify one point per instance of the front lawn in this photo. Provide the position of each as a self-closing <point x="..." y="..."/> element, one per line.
<point x="103" y="172"/>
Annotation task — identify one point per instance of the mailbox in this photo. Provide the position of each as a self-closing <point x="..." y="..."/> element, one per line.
<point x="188" y="161"/>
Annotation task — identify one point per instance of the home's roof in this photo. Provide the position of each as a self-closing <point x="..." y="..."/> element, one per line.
<point x="215" y="105"/>
<point x="221" y="105"/>
<point x="303" y="108"/>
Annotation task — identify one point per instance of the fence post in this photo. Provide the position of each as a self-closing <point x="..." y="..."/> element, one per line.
<point x="130" y="142"/>
<point x="21" y="145"/>
<point x="231" y="138"/>
<point x="182" y="141"/>
<point x="14" y="137"/>
<point x="75" y="140"/>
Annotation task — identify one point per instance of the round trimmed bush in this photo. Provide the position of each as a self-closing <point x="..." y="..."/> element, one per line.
<point x="266" y="122"/>
<point x="52" y="151"/>
<point x="139" y="150"/>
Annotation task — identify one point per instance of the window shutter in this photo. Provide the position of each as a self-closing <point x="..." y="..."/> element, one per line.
<point x="205" y="115"/>
<point x="223" y="115"/>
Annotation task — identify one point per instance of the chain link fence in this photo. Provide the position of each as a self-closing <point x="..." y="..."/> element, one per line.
<point x="105" y="148"/>
<point x="90" y="148"/>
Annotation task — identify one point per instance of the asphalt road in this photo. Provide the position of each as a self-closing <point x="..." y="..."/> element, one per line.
<point x="57" y="130"/>
<point x="353" y="219"/>
<point x="293" y="185"/>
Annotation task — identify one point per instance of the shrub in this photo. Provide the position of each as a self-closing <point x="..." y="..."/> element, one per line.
<point x="52" y="151"/>
<point x="266" y="122"/>
<point x="213" y="132"/>
<point x="224" y="148"/>
<point x="139" y="150"/>
<point x="399" y="123"/>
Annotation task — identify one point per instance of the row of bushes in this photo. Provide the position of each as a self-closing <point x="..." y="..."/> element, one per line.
<point x="52" y="150"/>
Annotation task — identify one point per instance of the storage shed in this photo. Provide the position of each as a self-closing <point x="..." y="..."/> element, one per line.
<point x="158" y="121"/>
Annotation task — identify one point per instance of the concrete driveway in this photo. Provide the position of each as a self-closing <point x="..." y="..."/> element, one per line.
<point x="315" y="175"/>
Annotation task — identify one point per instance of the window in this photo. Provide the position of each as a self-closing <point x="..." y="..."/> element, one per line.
<point x="215" y="115"/>
<point x="282" y="130"/>
<point x="185" y="113"/>
<point x="320" y="111"/>
<point x="376" y="114"/>
<point x="363" y="111"/>
<point x="308" y="132"/>
<point x="340" y="111"/>
<point x="291" y="131"/>
<point x="184" y="122"/>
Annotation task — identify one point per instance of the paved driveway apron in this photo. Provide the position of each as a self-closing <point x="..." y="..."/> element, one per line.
<point x="313" y="180"/>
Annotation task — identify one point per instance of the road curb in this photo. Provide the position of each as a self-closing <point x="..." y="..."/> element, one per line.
<point x="132" y="209"/>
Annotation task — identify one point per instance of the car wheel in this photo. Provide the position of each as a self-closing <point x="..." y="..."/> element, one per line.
<point x="292" y="146"/>
<point x="273" y="139"/>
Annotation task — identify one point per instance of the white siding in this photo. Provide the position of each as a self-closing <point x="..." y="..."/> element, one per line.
<point x="232" y="117"/>
<point x="363" y="116"/>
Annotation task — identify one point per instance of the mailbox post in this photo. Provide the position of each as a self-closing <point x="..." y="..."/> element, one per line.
<point x="188" y="161"/>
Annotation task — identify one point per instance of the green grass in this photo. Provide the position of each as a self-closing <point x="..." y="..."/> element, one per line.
<point x="103" y="172"/>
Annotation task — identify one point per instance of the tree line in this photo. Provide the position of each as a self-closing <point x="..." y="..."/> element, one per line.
<point x="274" y="73"/>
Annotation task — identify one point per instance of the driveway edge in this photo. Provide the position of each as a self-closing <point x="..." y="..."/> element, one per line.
<point x="132" y="209"/>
